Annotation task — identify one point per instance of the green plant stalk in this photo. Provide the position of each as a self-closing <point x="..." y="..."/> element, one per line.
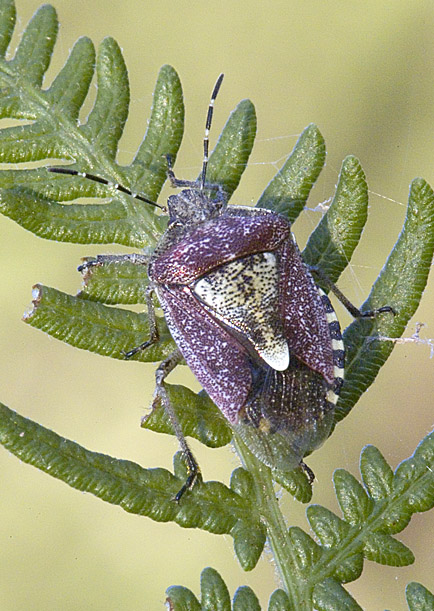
<point x="277" y="529"/>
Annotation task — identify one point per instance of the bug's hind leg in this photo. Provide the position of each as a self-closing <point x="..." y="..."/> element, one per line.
<point x="160" y="394"/>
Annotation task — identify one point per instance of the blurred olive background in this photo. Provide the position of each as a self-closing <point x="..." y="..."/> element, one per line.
<point x="364" y="72"/>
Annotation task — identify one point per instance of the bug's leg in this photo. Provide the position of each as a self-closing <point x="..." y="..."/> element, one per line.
<point x="193" y="471"/>
<point x="346" y="302"/>
<point x="99" y="260"/>
<point x="154" y="335"/>
<point x="310" y="474"/>
<point x="135" y="259"/>
<point x="177" y="182"/>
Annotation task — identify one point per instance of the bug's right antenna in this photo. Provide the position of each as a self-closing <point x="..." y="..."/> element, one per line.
<point x="207" y="128"/>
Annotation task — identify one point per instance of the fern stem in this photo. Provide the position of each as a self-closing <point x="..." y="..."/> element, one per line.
<point x="277" y="530"/>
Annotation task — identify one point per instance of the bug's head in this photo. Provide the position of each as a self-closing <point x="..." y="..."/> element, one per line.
<point x="193" y="207"/>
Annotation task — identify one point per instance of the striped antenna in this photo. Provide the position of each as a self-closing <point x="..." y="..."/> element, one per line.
<point x="103" y="181"/>
<point x="207" y="128"/>
<point x="175" y="182"/>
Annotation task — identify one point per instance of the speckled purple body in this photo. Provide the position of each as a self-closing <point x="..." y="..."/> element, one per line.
<point x="224" y="361"/>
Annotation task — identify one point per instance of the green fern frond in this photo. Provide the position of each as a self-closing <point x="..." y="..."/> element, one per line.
<point x="147" y="492"/>
<point x="49" y="131"/>
<point x="419" y="598"/>
<point x="370" y="516"/>
<point x="31" y="197"/>
<point x="215" y="597"/>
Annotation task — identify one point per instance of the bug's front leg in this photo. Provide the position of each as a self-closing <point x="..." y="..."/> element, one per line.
<point x="221" y="196"/>
<point x="99" y="260"/>
<point x="134" y="259"/>
<point x="193" y="471"/>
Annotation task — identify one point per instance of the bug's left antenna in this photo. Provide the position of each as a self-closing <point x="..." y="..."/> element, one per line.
<point x="103" y="181"/>
<point x="207" y="128"/>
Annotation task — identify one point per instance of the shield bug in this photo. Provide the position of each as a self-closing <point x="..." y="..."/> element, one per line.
<point x="244" y="310"/>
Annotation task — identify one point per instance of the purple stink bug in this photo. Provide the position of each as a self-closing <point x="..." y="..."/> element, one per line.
<point x="244" y="310"/>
